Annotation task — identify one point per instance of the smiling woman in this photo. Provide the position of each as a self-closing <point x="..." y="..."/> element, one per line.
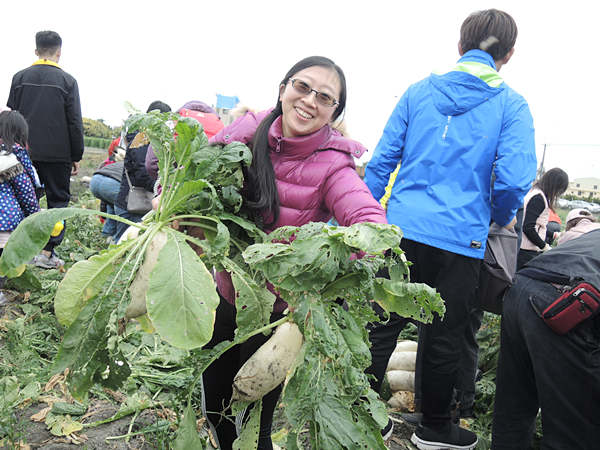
<point x="302" y="171"/>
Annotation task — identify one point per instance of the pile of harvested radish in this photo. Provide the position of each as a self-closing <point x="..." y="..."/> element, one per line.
<point x="400" y="375"/>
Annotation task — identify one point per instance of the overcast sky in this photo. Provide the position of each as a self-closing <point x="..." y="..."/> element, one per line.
<point x="191" y="50"/>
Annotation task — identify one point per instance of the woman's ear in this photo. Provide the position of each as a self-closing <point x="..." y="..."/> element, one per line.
<point x="281" y="91"/>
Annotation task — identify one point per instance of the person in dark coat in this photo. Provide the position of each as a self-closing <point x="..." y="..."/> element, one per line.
<point x="134" y="171"/>
<point x="539" y="369"/>
<point x="48" y="98"/>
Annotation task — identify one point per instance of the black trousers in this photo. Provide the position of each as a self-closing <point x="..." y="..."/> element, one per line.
<point x="217" y="381"/>
<point x="538" y="368"/>
<point x="455" y="277"/>
<point x="56" y="178"/>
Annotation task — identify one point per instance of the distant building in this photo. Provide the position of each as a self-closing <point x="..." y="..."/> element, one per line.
<point x="361" y="170"/>
<point x="224" y="105"/>
<point x="585" y="187"/>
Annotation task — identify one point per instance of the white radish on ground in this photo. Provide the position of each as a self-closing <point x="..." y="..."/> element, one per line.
<point x="401" y="380"/>
<point x="268" y="367"/>
<point x="139" y="285"/>
<point x="402" y="361"/>
<point x="406" y="346"/>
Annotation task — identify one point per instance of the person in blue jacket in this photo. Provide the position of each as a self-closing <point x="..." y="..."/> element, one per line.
<point x="451" y="131"/>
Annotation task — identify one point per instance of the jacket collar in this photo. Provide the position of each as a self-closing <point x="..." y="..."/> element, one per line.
<point x="478" y="56"/>
<point x="479" y="64"/>
<point x="301" y="147"/>
<point x="45" y="62"/>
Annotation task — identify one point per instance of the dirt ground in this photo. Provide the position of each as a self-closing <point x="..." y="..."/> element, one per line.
<point x="400" y="439"/>
<point x="38" y="435"/>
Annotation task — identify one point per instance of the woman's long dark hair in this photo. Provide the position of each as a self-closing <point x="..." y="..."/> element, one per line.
<point x="13" y="129"/>
<point x="262" y="194"/>
<point x="553" y="184"/>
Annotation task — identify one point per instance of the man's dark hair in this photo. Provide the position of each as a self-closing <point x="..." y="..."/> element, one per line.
<point x="162" y="107"/>
<point x="492" y="31"/>
<point x="47" y="43"/>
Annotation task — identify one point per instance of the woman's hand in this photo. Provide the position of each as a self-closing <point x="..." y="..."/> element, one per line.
<point x="155" y="202"/>
<point x="512" y="224"/>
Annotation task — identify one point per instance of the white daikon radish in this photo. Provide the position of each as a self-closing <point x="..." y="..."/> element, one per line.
<point x="268" y="367"/>
<point x="402" y="400"/>
<point x="406" y="346"/>
<point x="402" y="361"/>
<point x="401" y="380"/>
<point x="139" y="285"/>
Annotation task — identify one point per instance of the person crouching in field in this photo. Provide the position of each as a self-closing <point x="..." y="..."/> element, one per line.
<point x="538" y="368"/>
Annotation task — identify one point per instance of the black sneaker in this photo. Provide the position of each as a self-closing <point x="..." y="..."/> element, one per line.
<point x="451" y="437"/>
<point x="386" y="432"/>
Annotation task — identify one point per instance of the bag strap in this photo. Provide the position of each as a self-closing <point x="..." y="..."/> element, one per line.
<point x="546" y="275"/>
<point x="128" y="180"/>
<point x="549" y="276"/>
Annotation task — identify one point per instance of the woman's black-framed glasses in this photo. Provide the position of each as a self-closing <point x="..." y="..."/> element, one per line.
<point x="304" y="88"/>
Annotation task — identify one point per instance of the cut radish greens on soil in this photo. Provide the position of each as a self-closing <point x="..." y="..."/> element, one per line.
<point x="159" y="278"/>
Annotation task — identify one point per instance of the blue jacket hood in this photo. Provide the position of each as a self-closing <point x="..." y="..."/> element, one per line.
<point x="456" y="92"/>
<point x="442" y="195"/>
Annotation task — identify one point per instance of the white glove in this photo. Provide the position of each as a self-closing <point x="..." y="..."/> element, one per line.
<point x="546" y="248"/>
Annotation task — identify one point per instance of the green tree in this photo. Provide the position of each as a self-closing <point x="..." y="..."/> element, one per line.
<point x="95" y="128"/>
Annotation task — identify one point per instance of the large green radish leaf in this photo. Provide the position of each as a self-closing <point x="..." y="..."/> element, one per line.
<point x="374" y="238"/>
<point x="254" y="302"/>
<point x="250" y="228"/>
<point x="414" y="300"/>
<point x="187" y="433"/>
<point x="85" y="337"/>
<point x="249" y="436"/>
<point x="189" y="189"/>
<point x="181" y="296"/>
<point x="214" y="159"/>
<point x="107" y="365"/>
<point x="82" y="282"/>
<point x="332" y="414"/>
<point x="32" y="235"/>
<point x="310" y="263"/>
<point x="190" y="137"/>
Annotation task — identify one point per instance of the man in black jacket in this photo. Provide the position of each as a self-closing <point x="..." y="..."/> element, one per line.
<point x="48" y="98"/>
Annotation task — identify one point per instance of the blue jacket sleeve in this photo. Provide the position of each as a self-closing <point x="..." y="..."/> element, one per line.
<point x="515" y="161"/>
<point x="388" y="152"/>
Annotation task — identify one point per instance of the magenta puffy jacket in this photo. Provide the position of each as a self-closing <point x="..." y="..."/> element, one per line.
<point x="316" y="179"/>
